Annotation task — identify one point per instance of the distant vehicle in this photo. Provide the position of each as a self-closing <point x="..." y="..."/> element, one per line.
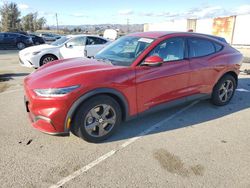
<point x="134" y="75"/>
<point x="21" y="32"/>
<point x="110" y="34"/>
<point x="50" y="37"/>
<point x="37" y="40"/>
<point x="70" y="46"/>
<point x="16" y="40"/>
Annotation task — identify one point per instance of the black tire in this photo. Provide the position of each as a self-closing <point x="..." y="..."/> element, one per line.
<point x="47" y="58"/>
<point x="84" y="113"/>
<point x="20" y="45"/>
<point x="218" y="91"/>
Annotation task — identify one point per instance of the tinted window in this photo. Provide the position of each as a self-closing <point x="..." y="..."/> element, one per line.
<point x="218" y="47"/>
<point x="10" y="35"/>
<point x="95" y="41"/>
<point x="200" y="47"/>
<point x="170" y="50"/>
<point x="79" y="41"/>
<point x="47" y="35"/>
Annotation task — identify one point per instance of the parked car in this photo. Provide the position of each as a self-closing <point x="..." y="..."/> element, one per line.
<point x="50" y="37"/>
<point x="66" y="47"/>
<point x="21" y="32"/>
<point x="134" y="75"/>
<point x="15" y="40"/>
<point x="36" y="39"/>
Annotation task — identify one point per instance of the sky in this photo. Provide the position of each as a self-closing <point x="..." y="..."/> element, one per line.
<point x="80" y="12"/>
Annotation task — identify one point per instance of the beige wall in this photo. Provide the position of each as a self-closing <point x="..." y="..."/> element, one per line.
<point x="242" y="30"/>
<point x="235" y="29"/>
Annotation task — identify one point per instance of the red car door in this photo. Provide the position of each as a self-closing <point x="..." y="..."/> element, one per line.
<point x="204" y="64"/>
<point x="156" y="85"/>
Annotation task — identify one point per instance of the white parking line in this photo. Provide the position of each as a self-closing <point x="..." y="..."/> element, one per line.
<point x="125" y="144"/>
<point x="10" y="91"/>
<point x="243" y="90"/>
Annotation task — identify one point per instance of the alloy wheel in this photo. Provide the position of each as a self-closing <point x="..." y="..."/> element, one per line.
<point x="226" y="91"/>
<point x="48" y="59"/>
<point x="100" y="120"/>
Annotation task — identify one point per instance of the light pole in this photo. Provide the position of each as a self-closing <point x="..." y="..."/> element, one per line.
<point x="56" y="24"/>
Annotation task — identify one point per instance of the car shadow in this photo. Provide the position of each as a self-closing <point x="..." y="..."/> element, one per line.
<point x="201" y="112"/>
<point x="10" y="76"/>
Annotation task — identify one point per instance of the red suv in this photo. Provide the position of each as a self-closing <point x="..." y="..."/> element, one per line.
<point x="135" y="74"/>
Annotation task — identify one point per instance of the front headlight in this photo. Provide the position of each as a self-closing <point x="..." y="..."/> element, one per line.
<point x="35" y="53"/>
<point x="55" y="92"/>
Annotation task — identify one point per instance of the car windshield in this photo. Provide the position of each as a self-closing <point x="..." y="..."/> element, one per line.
<point x="60" y="41"/>
<point x="124" y="51"/>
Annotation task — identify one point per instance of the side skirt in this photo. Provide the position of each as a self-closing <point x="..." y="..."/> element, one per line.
<point x="171" y="104"/>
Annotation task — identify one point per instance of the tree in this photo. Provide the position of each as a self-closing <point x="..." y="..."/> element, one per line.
<point x="27" y="22"/>
<point x="31" y="23"/>
<point x="40" y="23"/>
<point x="10" y="17"/>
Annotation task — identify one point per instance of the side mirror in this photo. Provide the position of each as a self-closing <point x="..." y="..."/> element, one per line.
<point x="68" y="45"/>
<point x="153" y="61"/>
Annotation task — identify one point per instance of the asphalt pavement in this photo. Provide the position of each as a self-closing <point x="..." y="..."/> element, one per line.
<point x="196" y="145"/>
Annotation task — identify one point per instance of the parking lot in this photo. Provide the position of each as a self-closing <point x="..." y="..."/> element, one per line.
<point x="196" y="145"/>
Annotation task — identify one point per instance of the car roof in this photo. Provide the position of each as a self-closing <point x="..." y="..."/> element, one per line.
<point x="159" y="34"/>
<point x="152" y="34"/>
<point x="84" y="35"/>
<point x="18" y="34"/>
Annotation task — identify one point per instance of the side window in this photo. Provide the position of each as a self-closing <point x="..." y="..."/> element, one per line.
<point x="95" y="41"/>
<point x="100" y="41"/>
<point x="79" y="41"/>
<point x="200" y="47"/>
<point x="170" y="50"/>
<point x="9" y="35"/>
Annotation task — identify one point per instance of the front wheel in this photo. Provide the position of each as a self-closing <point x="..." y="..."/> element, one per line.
<point x="224" y="90"/>
<point x="97" y="119"/>
<point x="46" y="59"/>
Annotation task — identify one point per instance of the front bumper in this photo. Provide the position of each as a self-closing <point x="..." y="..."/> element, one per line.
<point x="47" y="119"/>
<point x="29" y="60"/>
<point x="25" y="63"/>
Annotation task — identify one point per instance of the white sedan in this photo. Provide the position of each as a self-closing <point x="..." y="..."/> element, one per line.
<point x="70" y="46"/>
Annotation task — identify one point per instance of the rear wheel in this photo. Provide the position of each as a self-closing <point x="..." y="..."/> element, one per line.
<point x="224" y="90"/>
<point x="97" y="118"/>
<point x="46" y="59"/>
<point x="20" y="45"/>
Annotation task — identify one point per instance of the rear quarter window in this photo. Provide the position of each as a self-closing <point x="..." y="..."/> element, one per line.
<point x="201" y="47"/>
<point x="218" y="47"/>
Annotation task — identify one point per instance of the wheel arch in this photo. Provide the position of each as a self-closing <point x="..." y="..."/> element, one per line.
<point x="47" y="54"/>
<point x="232" y="73"/>
<point x="118" y="96"/>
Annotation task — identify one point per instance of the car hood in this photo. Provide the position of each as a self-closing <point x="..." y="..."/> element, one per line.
<point x="37" y="48"/>
<point x="61" y="73"/>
